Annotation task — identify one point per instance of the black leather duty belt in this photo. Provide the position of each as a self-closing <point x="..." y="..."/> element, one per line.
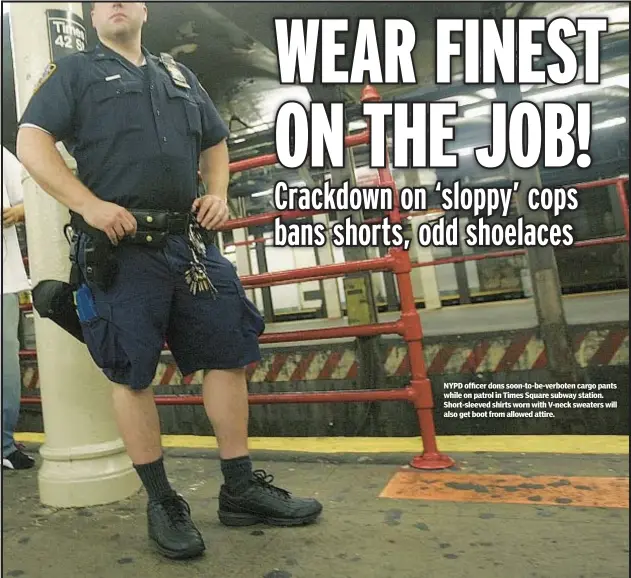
<point x="153" y="227"/>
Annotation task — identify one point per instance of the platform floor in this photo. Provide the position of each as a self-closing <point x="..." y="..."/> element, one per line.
<point x="526" y="515"/>
<point x="580" y="309"/>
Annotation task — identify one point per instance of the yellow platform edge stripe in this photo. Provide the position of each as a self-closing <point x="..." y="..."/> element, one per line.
<point x="562" y="444"/>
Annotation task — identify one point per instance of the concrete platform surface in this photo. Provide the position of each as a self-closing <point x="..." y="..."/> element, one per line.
<point x="422" y="533"/>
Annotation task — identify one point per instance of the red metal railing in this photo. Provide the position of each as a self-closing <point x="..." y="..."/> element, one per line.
<point x="361" y="138"/>
<point x="285" y="214"/>
<point x="382" y="264"/>
<point x="624" y="211"/>
<point x="514" y="252"/>
<point x="418" y="392"/>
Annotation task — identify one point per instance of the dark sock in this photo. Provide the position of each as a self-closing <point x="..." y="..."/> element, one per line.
<point x="154" y="478"/>
<point x="237" y="473"/>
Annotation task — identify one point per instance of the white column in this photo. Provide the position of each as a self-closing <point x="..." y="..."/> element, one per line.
<point x="84" y="460"/>
<point x="424" y="281"/>
<point x="329" y="286"/>
<point x="242" y="257"/>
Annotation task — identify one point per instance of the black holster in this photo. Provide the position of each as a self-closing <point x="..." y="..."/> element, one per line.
<point x="99" y="262"/>
<point x="54" y="300"/>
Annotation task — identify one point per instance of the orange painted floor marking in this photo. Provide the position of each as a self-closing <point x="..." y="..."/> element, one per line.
<point x="510" y="489"/>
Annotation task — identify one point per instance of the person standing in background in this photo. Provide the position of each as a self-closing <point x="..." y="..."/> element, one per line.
<point x="14" y="281"/>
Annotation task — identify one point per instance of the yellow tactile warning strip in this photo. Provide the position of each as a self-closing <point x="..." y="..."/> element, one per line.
<point x="510" y="489"/>
<point x="577" y="444"/>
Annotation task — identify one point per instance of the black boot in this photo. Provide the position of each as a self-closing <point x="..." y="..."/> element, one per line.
<point x="263" y="502"/>
<point x="172" y="530"/>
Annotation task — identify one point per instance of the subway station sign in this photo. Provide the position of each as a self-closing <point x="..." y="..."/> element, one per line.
<point x="66" y="33"/>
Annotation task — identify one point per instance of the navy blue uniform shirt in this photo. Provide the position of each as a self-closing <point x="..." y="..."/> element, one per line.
<point x="135" y="134"/>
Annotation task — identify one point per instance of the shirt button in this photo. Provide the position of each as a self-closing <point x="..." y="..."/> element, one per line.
<point x="151" y="86"/>
<point x="164" y="139"/>
<point x="157" y="113"/>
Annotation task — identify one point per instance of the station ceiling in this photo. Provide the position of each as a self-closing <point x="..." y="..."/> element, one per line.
<point x="231" y="47"/>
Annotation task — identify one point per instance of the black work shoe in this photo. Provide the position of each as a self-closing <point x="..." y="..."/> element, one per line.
<point x="18" y="460"/>
<point x="263" y="502"/>
<point x="172" y="530"/>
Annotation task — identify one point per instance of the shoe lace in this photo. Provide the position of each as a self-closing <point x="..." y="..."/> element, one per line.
<point x="263" y="479"/>
<point x="177" y="509"/>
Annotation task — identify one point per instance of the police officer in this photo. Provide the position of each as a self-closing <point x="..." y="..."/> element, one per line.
<point x="140" y="126"/>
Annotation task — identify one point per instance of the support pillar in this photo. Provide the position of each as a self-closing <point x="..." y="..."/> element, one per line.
<point x="84" y="460"/>
<point x="242" y="256"/>
<point x="546" y="285"/>
<point x="330" y="293"/>
<point x="617" y="227"/>
<point x="261" y="259"/>
<point x="392" y="292"/>
<point x="358" y="288"/>
<point x="542" y="262"/>
<point x="423" y="278"/>
<point x="460" y="268"/>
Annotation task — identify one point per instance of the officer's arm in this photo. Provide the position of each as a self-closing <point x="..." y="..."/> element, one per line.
<point x="40" y="157"/>
<point x="48" y="119"/>
<point x="214" y="166"/>
<point x="214" y="161"/>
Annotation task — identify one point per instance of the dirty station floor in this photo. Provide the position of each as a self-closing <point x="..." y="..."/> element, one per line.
<point x="493" y="515"/>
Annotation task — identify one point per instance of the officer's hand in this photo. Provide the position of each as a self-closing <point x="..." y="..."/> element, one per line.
<point x="114" y="220"/>
<point x="212" y="212"/>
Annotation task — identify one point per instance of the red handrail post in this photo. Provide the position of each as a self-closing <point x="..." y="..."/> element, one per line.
<point x="624" y="204"/>
<point x="420" y="387"/>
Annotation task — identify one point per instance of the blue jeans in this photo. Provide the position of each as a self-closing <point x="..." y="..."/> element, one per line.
<point x="11" y="376"/>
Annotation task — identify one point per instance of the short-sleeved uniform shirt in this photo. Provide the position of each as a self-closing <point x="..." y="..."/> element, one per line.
<point x="135" y="134"/>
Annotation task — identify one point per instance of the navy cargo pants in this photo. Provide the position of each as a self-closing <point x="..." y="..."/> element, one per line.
<point x="150" y="304"/>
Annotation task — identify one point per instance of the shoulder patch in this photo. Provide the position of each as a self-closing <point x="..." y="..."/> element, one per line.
<point x="48" y="72"/>
<point x="174" y="70"/>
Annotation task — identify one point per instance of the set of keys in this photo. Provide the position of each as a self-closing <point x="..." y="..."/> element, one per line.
<point x="196" y="276"/>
